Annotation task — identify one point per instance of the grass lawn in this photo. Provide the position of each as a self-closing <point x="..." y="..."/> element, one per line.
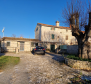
<point x="8" y="61"/>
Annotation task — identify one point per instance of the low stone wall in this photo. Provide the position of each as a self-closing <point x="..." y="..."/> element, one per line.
<point x="76" y="64"/>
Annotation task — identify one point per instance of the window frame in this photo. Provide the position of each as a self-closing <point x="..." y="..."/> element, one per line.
<point x="52" y="28"/>
<point x="66" y="30"/>
<point x="66" y="37"/>
<point x="8" y="42"/>
<point x="53" y="36"/>
<point x="37" y="29"/>
<point x="33" y="44"/>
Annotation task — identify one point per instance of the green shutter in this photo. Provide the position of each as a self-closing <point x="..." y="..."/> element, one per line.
<point x="63" y="46"/>
<point x="51" y="28"/>
<point x="52" y="36"/>
<point x="54" y="28"/>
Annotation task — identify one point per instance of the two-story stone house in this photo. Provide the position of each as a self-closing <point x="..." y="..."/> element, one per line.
<point x="54" y="35"/>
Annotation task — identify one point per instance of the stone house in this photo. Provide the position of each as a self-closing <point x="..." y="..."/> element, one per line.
<point x="54" y="35"/>
<point x="12" y="44"/>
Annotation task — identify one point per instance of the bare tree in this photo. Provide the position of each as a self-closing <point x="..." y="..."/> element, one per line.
<point x="75" y="7"/>
<point x="13" y="35"/>
<point x="77" y="17"/>
<point x="47" y="38"/>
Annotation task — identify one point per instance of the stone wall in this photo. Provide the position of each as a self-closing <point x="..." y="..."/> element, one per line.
<point x="8" y="49"/>
<point x="27" y="46"/>
<point x="76" y="64"/>
<point x="72" y="49"/>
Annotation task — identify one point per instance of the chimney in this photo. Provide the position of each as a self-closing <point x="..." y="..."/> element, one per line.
<point x="57" y="23"/>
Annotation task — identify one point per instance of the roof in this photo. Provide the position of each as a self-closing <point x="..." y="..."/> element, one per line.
<point x="83" y="32"/>
<point x="20" y="39"/>
<point x="61" y="27"/>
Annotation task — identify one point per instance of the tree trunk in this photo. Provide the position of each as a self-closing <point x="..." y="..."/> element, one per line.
<point x="84" y="52"/>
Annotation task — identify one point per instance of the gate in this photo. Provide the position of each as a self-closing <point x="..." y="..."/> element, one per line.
<point x="21" y="46"/>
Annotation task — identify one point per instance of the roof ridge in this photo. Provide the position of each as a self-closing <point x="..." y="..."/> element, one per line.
<point x="51" y="25"/>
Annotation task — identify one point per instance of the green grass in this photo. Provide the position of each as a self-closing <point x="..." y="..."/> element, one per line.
<point x="8" y="61"/>
<point x="77" y="58"/>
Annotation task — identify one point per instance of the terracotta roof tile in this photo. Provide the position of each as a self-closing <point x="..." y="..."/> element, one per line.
<point x="61" y="27"/>
<point x="83" y="32"/>
<point x="19" y="39"/>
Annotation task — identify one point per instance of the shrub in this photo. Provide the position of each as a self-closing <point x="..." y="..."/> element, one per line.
<point x="77" y="58"/>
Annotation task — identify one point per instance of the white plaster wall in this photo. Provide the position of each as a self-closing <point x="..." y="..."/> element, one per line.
<point x="38" y="32"/>
<point x="27" y="46"/>
<point x="11" y="48"/>
<point x="46" y="35"/>
<point x="12" y="43"/>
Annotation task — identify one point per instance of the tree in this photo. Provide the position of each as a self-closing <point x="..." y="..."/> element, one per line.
<point x="13" y="35"/>
<point x="76" y="15"/>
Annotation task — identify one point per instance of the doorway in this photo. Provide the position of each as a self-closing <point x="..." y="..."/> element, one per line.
<point x="53" y="48"/>
<point x="21" y="46"/>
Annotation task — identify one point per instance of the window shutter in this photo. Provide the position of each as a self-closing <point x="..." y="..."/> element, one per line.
<point x="54" y="28"/>
<point x="51" y="28"/>
<point x="52" y="36"/>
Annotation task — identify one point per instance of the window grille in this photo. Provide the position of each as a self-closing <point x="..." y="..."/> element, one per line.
<point x="8" y="43"/>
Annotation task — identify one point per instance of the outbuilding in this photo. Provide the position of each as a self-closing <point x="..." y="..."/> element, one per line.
<point x="12" y="44"/>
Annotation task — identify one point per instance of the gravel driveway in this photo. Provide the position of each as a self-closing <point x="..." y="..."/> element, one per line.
<point x="38" y="69"/>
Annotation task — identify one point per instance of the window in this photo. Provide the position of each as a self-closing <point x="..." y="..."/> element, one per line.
<point x="66" y="37"/>
<point x="33" y="44"/>
<point x="37" y="29"/>
<point x="53" y="36"/>
<point x="66" y="30"/>
<point x="52" y="28"/>
<point x="8" y="43"/>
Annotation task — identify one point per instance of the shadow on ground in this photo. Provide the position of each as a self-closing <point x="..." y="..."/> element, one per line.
<point x="57" y="57"/>
<point x="1" y="54"/>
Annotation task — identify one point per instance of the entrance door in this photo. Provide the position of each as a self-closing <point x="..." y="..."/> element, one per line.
<point x="21" y="46"/>
<point x="53" y="48"/>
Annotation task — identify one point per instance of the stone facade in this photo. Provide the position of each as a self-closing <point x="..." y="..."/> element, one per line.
<point x="76" y="64"/>
<point x="63" y="35"/>
<point x="72" y="49"/>
<point x="10" y="44"/>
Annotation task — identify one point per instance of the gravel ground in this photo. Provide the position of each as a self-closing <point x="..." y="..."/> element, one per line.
<point x="39" y="69"/>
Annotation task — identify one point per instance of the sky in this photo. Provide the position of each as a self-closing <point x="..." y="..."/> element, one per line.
<point x="20" y="17"/>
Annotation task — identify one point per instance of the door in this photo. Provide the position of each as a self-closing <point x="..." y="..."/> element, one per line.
<point x="21" y="46"/>
<point x="53" y="48"/>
